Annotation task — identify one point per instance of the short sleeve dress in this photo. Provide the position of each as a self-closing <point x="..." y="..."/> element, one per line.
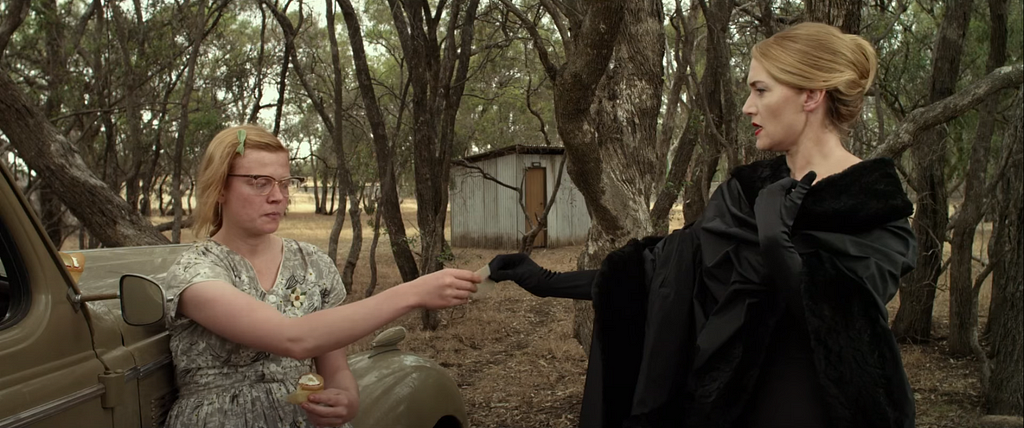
<point x="224" y="384"/>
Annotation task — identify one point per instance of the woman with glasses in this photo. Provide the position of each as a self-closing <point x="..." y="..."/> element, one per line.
<point x="251" y="312"/>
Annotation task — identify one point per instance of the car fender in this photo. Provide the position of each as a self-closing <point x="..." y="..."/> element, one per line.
<point x="405" y="384"/>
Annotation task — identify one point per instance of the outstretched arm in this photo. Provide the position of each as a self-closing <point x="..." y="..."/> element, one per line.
<point x="541" y="282"/>
<point x="238" y="317"/>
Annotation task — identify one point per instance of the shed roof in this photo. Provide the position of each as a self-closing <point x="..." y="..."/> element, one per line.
<point x="516" y="149"/>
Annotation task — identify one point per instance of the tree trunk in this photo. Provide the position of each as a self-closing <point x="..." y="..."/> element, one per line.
<point x="701" y="175"/>
<point x="198" y="32"/>
<point x="438" y="82"/>
<point x="844" y="14"/>
<point x="607" y="99"/>
<point x="334" y="195"/>
<point x="316" y="192"/>
<point x="110" y="167"/>
<point x="963" y="308"/>
<point x="191" y="193"/>
<point x="132" y="45"/>
<point x="716" y="83"/>
<point x="715" y="98"/>
<point x="282" y="83"/>
<point x="313" y="160"/>
<point x="324" y="186"/>
<point x="344" y="172"/>
<point x="1004" y="396"/>
<point x="149" y="176"/>
<point x="917" y="291"/>
<point x="160" y="194"/>
<point x="389" y="206"/>
<point x="52" y="212"/>
<point x="356" y="247"/>
<point x="332" y="245"/>
<point x="100" y="209"/>
<point x="675" y="181"/>
<point x="373" y="253"/>
<point x="257" y="98"/>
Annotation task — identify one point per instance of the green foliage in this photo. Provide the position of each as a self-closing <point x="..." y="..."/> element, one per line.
<point x="81" y="70"/>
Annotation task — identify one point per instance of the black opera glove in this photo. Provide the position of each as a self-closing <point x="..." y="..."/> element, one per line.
<point x="522" y="270"/>
<point x="775" y="209"/>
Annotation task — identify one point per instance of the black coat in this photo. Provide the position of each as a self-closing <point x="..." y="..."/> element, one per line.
<point x="682" y="323"/>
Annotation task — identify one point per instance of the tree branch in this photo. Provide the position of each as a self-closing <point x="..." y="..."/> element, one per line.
<point x="526" y="245"/>
<point x="979" y="352"/>
<point x="595" y="47"/>
<point x="485" y="175"/>
<point x="940" y="112"/>
<point x="559" y="19"/>
<point x="538" y="44"/>
<point x="164" y="227"/>
<point x="529" y="106"/>
<point x="17" y="11"/>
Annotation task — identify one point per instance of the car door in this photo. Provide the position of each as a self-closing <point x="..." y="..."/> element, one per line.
<point x="49" y="373"/>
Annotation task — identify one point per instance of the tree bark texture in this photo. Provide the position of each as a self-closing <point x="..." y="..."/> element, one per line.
<point x="701" y="174"/>
<point x="373" y="252"/>
<point x="675" y="181"/>
<point x="917" y="291"/>
<point x="845" y="14"/>
<point x="963" y="307"/>
<point x="607" y="98"/>
<point x="1006" y="388"/>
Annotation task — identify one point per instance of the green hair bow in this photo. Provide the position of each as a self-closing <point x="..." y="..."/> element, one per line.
<point x="241" y="142"/>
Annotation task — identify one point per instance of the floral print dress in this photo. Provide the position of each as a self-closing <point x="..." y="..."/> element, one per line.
<point x="224" y="384"/>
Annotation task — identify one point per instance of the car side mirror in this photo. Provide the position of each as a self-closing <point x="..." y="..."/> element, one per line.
<point x="142" y="300"/>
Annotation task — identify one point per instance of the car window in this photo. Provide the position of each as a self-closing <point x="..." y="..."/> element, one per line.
<point x="14" y="293"/>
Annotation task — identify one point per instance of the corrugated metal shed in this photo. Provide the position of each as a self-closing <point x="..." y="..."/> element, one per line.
<point x="485" y="214"/>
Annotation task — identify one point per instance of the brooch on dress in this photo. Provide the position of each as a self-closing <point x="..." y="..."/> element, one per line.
<point x="298" y="297"/>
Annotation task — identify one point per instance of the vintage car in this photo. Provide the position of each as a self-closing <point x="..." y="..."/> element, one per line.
<point x="83" y="341"/>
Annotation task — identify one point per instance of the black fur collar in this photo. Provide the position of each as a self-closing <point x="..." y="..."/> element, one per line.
<point x="862" y="197"/>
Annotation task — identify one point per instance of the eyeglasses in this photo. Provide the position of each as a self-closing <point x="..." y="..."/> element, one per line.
<point x="263" y="184"/>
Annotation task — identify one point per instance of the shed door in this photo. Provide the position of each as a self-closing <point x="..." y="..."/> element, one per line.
<point x="536" y="197"/>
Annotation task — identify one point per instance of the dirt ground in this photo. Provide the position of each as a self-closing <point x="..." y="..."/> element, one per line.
<point x="518" y="365"/>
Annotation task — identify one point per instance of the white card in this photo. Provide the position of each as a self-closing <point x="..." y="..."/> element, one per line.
<point x="484" y="288"/>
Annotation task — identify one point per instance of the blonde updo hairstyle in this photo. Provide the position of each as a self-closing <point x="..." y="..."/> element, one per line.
<point x="214" y="169"/>
<point x="818" y="56"/>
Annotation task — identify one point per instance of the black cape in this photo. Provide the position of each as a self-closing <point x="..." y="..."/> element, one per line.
<point x="681" y="323"/>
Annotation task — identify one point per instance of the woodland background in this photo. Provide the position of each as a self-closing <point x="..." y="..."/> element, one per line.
<point x="105" y="108"/>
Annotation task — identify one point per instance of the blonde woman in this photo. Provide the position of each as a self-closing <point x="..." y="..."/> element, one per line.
<point x="769" y="310"/>
<point x="252" y="312"/>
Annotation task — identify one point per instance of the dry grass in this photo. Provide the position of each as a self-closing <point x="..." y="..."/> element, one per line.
<point x="515" y="359"/>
